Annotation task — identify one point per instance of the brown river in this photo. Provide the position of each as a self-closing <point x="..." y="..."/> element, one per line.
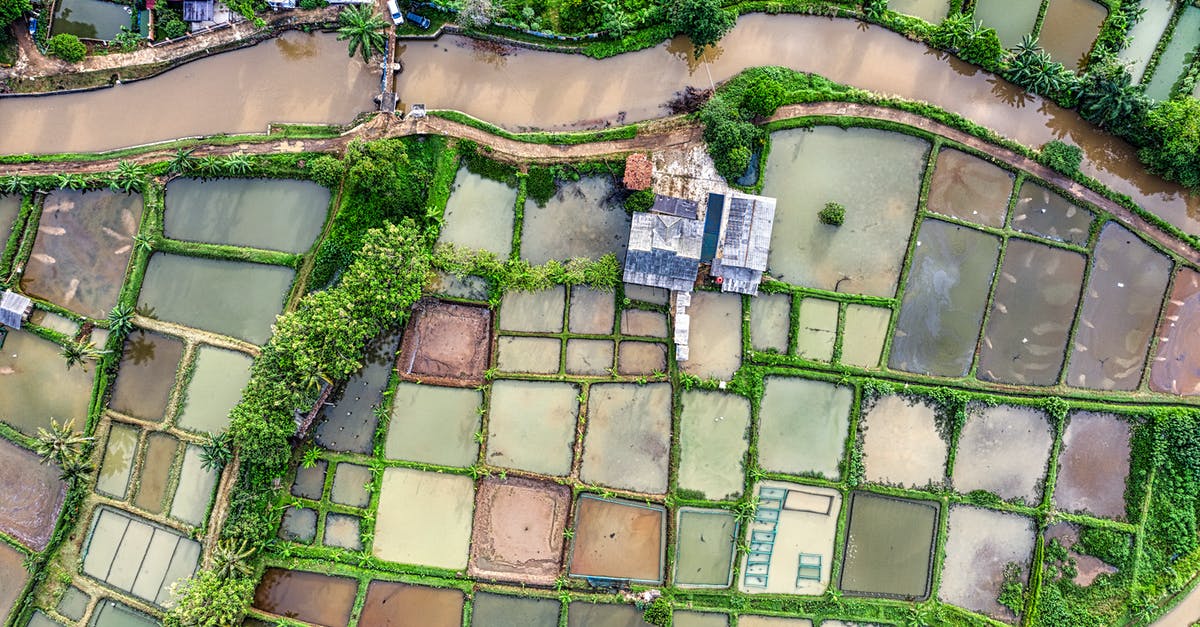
<point x="309" y="78"/>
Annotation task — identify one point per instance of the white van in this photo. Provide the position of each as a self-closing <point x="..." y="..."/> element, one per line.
<point x="397" y="16"/>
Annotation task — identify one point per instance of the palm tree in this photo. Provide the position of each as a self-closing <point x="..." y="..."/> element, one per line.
<point x="70" y="181"/>
<point x="61" y="444"/>
<point x="1109" y="98"/>
<point x="76" y="469"/>
<point x="120" y="319"/>
<point x="17" y="185"/>
<point x="182" y="162"/>
<point x="230" y="558"/>
<point x="363" y="28"/>
<point x="216" y="454"/>
<point x="238" y="164"/>
<point x="78" y="353"/>
<point x="143" y="242"/>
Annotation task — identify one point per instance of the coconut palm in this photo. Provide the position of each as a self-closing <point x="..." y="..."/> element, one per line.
<point x="17" y="185"/>
<point x="363" y="28"/>
<point x="61" y="443"/>
<point x="75" y="469"/>
<point x="231" y="558"/>
<point x="182" y="161"/>
<point x="70" y="181"/>
<point x="79" y="353"/>
<point x="120" y="319"/>
<point x="217" y="452"/>
<point x="1109" y="97"/>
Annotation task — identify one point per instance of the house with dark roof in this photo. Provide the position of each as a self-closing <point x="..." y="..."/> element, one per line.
<point x="743" y="242"/>
<point x="14" y="309"/>
<point x="664" y="248"/>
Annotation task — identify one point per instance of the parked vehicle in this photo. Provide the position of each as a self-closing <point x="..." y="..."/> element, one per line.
<point x="394" y="9"/>
<point x="422" y="22"/>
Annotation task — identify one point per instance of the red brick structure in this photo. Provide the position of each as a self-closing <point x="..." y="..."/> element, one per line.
<point x="638" y="169"/>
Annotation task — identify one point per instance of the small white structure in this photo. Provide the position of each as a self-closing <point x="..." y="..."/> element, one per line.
<point x="14" y="309"/>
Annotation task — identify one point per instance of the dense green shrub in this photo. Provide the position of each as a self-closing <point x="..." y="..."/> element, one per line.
<point x="326" y="170"/>
<point x="67" y="47"/>
<point x="313" y="4"/>
<point x="705" y="22"/>
<point x="961" y="35"/>
<point x="172" y="29"/>
<point x="658" y="612"/>
<point x="833" y="214"/>
<point x="1061" y="157"/>
<point x="541" y="185"/>
<point x="1172" y="132"/>
<point x="764" y="97"/>
<point x="11" y="11"/>
<point x="1107" y="544"/>
<point x="640" y="200"/>
<point x="477" y="162"/>
<point x="1012" y="593"/>
<point x="209" y="599"/>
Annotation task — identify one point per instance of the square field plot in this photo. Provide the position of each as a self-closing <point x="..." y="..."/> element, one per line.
<point x="980" y="544"/>
<point x="803" y="424"/>
<point x="27" y="364"/>
<point x="498" y="610"/>
<point x="901" y="443"/>
<point x="713" y="433"/>
<point x="641" y="358"/>
<point x="592" y="311"/>
<point x="424" y="518"/>
<point x="1004" y="450"/>
<point x="446" y="343"/>
<point x="618" y="540"/>
<point x="1012" y="19"/>
<point x="969" y="188"/>
<point x="215" y="388"/>
<point x="1043" y="212"/>
<point x="393" y="604"/>
<point x="540" y="312"/>
<point x="479" y="214"/>
<point x="621" y="452"/>
<point x="716" y="335"/>
<point x="589" y="357"/>
<point x="817" y="332"/>
<point x="275" y="214"/>
<point x="138" y="557"/>
<point x="864" y="333"/>
<point x="32" y="497"/>
<point x="889" y="546"/>
<point x="310" y="597"/>
<point x="791" y="540"/>
<point x="434" y="425"/>
<point x="518" y="531"/>
<point x="643" y="323"/>
<point x="584" y="614"/>
<point x="532" y="425"/>
<point x="584" y="219"/>
<point x="146" y="375"/>
<point x="534" y="355"/>
<point x="1093" y="465"/>
<point x="704" y="548"/>
<point x="770" y="319"/>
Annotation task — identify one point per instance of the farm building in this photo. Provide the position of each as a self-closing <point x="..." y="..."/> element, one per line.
<point x="14" y="309"/>
<point x="664" y="248"/>
<point x="743" y="243"/>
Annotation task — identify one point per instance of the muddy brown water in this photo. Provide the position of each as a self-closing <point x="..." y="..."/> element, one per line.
<point x="14" y="576"/>
<point x="518" y="530"/>
<point x="1093" y="465"/>
<point x="1175" y="369"/>
<point x="156" y="471"/>
<point x="391" y="604"/>
<point x="31" y="498"/>
<point x="618" y="539"/>
<point x="968" y="187"/>
<point x="496" y="610"/>
<point x="310" y="597"/>
<point x="147" y="375"/>
<point x="1069" y="28"/>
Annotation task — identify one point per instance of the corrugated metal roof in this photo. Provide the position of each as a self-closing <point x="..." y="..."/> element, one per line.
<point x="13" y="308"/>
<point x="197" y="10"/>
<point x="679" y="207"/>
<point x="746" y="236"/>
<point x="664" y="251"/>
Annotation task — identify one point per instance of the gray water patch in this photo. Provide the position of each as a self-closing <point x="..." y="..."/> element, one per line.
<point x="215" y="388"/>
<point x="155" y="473"/>
<point x="889" y="546"/>
<point x="310" y="481"/>
<point x="434" y="425"/>
<point x="642" y="358"/>
<point x="749" y="620"/>
<point x="1003" y="450"/>
<point x="770" y="321"/>
<point x="351" y="485"/>
<point x="1120" y="311"/>
<point x="1012" y="19"/>
<point x="713" y="438"/>
<point x="349" y="424"/>
<point x="535" y="355"/>
<point x="195" y="491"/>
<point x="639" y="322"/>
<point x="479" y="214"/>
<point x="117" y="465"/>
<point x="980" y="544"/>
<point x="932" y="11"/>
<point x="274" y="214"/>
<point x="592" y="311"/>
<point x="10" y="206"/>
<point x="1144" y="36"/>
<point x="342" y="531"/>
<point x="55" y="322"/>
<point x="299" y="525"/>
<point x="944" y="301"/>
<point x="875" y="174"/>
<point x="15" y="577"/>
<point x="715" y="337"/>
<point x="584" y="219"/>
<point x="901" y="443"/>
<point x="647" y="294"/>
<point x="704" y="547"/>
<point x="802" y="426"/>
<point x="1175" y="58"/>
<point x="468" y="287"/>
<point x="864" y="334"/>
<point x="1043" y="212"/>
<point x="27" y="363"/>
<point x="531" y="425"/>
<point x="234" y="298"/>
<point x="969" y="188"/>
<point x="1037" y="292"/>
<point x="699" y="619"/>
<point x="589" y="357"/>
<point x="136" y="556"/>
<point x="146" y="375"/>
<point x="73" y="603"/>
<point x="498" y="610"/>
<point x="817" y="329"/>
<point x="39" y="619"/>
<point x="1094" y="465"/>
<point x="623" y="453"/>
<point x="91" y="19"/>
<point x="582" y="614"/>
<point x="540" y="312"/>
<point x="113" y="614"/>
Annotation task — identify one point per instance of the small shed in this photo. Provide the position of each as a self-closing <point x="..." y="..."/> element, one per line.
<point x="678" y="207"/>
<point x="197" y="10"/>
<point x="14" y="309"/>
<point x="744" y="243"/>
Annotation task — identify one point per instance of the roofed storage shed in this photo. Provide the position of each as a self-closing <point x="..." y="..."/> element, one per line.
<point x="664" y="251"/>
<point x="14" y="309"/>
<point x="744" y="243"/>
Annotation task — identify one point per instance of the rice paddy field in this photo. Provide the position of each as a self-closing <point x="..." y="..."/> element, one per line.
<point x="926" y="409"/>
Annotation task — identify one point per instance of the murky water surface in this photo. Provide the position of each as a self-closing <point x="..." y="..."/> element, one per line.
<point x="968" y="187"/>
<point x="27" y="363"/>
<point x="274" y="214"/>
<point x="32" y="496"/>
<point x="1012" y="19"/>
<point x="889" y="546"/>
<point x="146" y="375"/>
<point x="1069" y="28"/>
<point x="310" y="597"/>
<point x="1175" y="367"/>
<point x="1145" y="35"/>
<point x="1176" y="56"/>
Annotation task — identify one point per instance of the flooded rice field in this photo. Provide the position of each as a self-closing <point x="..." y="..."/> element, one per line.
<point x="865" y="332"/>
<point x="112" y="614"/>
<point x="642" y="358"/>
<point x="980" y="543"/>
<point x="1093" y="465"/>
<point x="1004" y="450"/>
<point x="27" y="362"/>
<point x="699" y="619"/>
<point x="585" y="218"/>
<point x="1177" y="55"/>
<point x="875" y="174"/>
<point x="531" y="425"/>
<point x="348" y="425"/>
<point x="195" y="491"/>
<point x="530" y="355"/>
<point x="215" y="388"/>
<point x="533" y="311"/>
<point x="117" y="464"/>
<point x="584" y="614"/>
<point x="1043" y="212"/>
<point x="889" y="546"/>
<point x="136" y="556"/>
<point x="1012" y="19"/>
<point x="970" y="188"/>
<point x="704" y="548"/>
<point x="319" y="599"/>
<point x="82" y="249"/>
<point x="589" y="357"/>
<point x="10" y="206"/>
<point x="901" y="443"/>
<point x="639" y="322"/>
<point x="12" y="570"/>
<point x="496" y="610"/>
<point x="392" y="604"/>
<point x="592" y="311"/>
<point x="713" y="437"/>
<point x="350" y="485"/>
<point x="944" y="300"/>
<point x="1069" y="28"/>
<point x="803" y="425"/>
<point x="273" y="214"/>
<point x="816" y="336"/>
<point x="1145" y="35"/>
<point x="623" y="453"/>
<point x="715" y="337"/>
<point x="1032" y="309"/>
<point x="1120" y="310"/>
<point x="32" y="496"/>
<point x="518" y="530"/>
<point x="479" y="214"/>
<point x="428" y="518"/>
<point x="434" y="425"/>
<point x="769" y="322"/>
<point x="234" y="298"/>
<point x="1174" y="368"/>
<point x="161" y="450"/>
<point x="146" y="375"/>
<point x="618" y="539"/>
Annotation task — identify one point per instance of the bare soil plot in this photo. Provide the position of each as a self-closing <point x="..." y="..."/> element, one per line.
<point x="518" y="530"/>
<point x="716" y="335"/>
<point x="639" y="322"/>
<point x="311" y="597"/>
<point x="713" y="435"/>
<point x="901" y="443"/>
<point x="770" y="319"/>
<point x="32" y="496"/>
<point x="969" y="188"/>
<point x="864" y="333"/>
<point x="446" y="343"/>
<point x="1093" y="465"/>
<point x="534" y="355"/>
<point x="434" y="425"/>
<point x="14" y="576"/>
<point x="1176" y="366"/>
<point x="641" y="358"/>
<point x="424" y="518"/>
<point x="592" y="311"/>
<point x="533" y="311"/>
<point x="392" y="604"/>
<point x="623" y="453"/>
<point x="146" y="375"/>
<point x="802" y="426"/>
<point x="980" y="544"/>
<point x="532" y="424"/>
<point x="618" y="539"/>
<point x="1004" y="450"/>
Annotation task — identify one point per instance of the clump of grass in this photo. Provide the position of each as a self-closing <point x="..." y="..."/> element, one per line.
<point x="834" y="214"/>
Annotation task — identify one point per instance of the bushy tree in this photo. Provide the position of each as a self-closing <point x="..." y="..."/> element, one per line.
<point x="1173" y="133"/>
<point x="210" y="600"/>
<point x="970" y="40"/>
<point x="67" y="47"/>
<point x="1032" y="68"/>
<point x="326" y="170"/>
<point x="173" y="28"/>
<point x="703" y="21"/>
<point x="11" y="11"/>
<point x="1108" y="98"/>
<point x="764" y="97"/>
<point x="477" y="13"/>
<point x="363" y="28"/>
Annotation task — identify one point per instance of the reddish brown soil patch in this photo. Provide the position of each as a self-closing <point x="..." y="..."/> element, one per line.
<point x="518" y="534"/>
<point x="13" y="575"/>
<point x="310" y="597"/>
<point x="1093" y="466"/>
<point x="391" y="604"/>
<point x="1176" y="367"/>
<point x="32" y="496"/>
<point x="617" y="539"/>
<point x="446" y="343"/>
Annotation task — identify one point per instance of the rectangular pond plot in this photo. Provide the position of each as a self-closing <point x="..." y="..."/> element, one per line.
<point x="1069" y="30"/>
<point x="1176" y="365"/>
<point x="875" y="174"/>
<point x="609" y="458"/>
<point x="944" y="300"/>
<point x="467" y="287"/>
<point x="10" y="206"/>
<point x="584" y="614"/>
<point x="1012" y="19"/>
<point x="30" y="367"/>
<point x="803" y="426"/>
<point x="584" y="219"/>
<point x="1045" y="213"/>
<point x="1145" y="34"/>
<point x="392" y="604"/>
<point x="864" y="333"/>
<point x="497" y="610"/>
<point x="532" y="424"/>
<point x="817" y="332"/>
<point x="216" y="387"/>
<point x="1120" y="310"/>
<point x="113" y="614"/>
<point x="479" y="214"/>
<point x="1094" y="465"/>
<point x="643" y="358"/>
<point x="234" y="298"/>
<point x="791" y="540"/>
<point x="195" y="491"/>
<point x="117" y="464"/>
<point x="13" y="574"/>
<point x="274" y="214"/>
<point x="32" y="496"/>
<point x="532" y="355"/>
<point x="311" y="597"/>
<point x="537" y="312"/>
<point x="146" y="375"/>
<point x="82" y="249"/>
<point x="348" y="425"/>
<point x="1034" y="304"/>
<point x="90" y="19"/>
<point x="592" y="311"/>
<point x="901" y="443"/>
<point x="699" y="619"/>
<point x="970" y="188"/>
<point x="889" y="546"/>
<point x="434" y="425"/>
<point x="715" y="336"/>
<point x="136" y="556"/>
<point x="1176" y="56"/>
<point x="446" y="343"/>
<point x="980" y="544"/>
<point x="156" y="471"/>
<point x="770" y="319"/>
<point x="704" y="548"/>
<point x="1004" y="450"/>
<point x="424" y="518"/>
<point x="642" y="323"/>
<point x="518" y="530"/>
<point x="617" y="539"/>
<point x="713" y="439"/>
